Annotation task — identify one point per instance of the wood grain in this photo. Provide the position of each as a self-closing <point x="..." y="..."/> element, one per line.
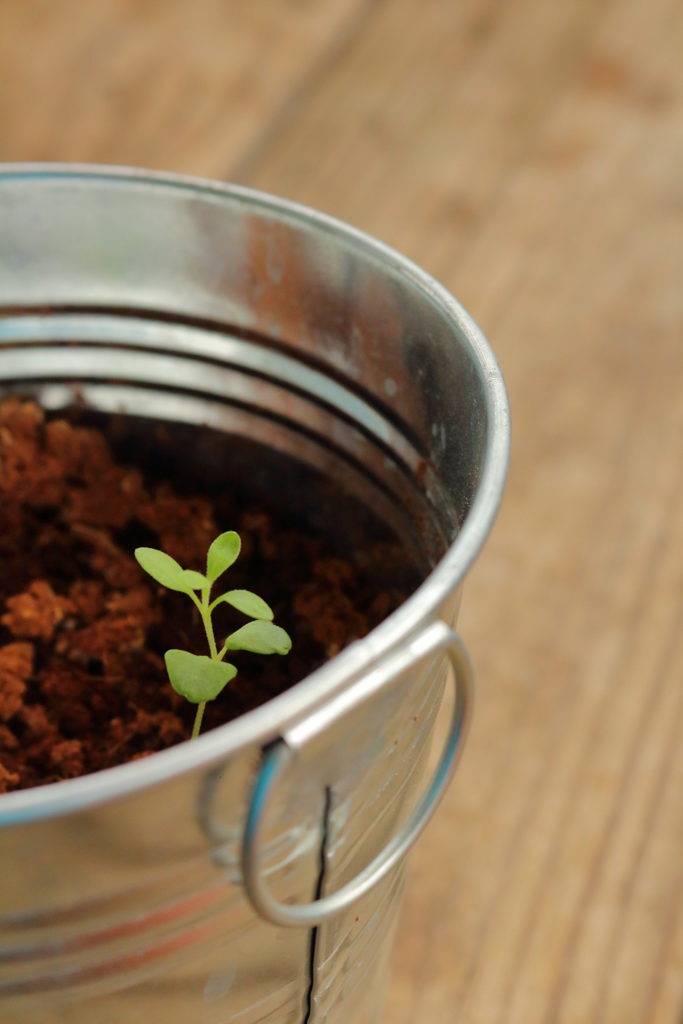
<point x="529" y="155"/>
<point x="157" y="83"/>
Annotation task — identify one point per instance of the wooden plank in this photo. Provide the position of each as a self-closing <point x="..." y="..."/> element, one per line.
<point x="531" y="160"/>
<point x="404" y="137"/>
<point x="157" y="83"/>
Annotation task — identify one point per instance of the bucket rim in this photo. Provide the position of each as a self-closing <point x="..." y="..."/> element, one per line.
<point x="263" y="724"/>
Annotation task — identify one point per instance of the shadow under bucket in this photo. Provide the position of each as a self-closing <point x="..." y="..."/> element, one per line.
<point x="253" y="875"/>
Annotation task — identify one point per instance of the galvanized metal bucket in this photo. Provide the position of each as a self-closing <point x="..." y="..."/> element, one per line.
<point x="253" y="875"/>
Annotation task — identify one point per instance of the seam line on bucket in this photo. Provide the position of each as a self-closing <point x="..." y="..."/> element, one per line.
<point x="319" y="892"/>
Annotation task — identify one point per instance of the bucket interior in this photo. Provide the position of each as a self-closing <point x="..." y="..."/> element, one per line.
<point x="222" y="309"/>
<point x="188" y="378"/>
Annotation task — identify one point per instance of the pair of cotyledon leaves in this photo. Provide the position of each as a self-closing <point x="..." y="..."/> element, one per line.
<point x="195" y="676"/>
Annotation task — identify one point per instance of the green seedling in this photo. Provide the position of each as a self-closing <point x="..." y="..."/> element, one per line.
<point x="195" y="676"/>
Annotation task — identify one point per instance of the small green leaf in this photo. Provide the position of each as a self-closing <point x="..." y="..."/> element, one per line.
<point x="197" y="677"/>
<point x="195" y="580"/>
<point x="162" y="568"/>
<point x="260" y="638"/>
<point x="222" y="553"/>
<point x="244" y="601"/>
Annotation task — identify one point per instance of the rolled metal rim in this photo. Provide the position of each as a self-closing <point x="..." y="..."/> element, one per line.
<point x="266" y="722"/>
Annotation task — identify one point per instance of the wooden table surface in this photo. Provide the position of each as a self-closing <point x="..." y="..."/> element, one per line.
<point x="530" y="155"/>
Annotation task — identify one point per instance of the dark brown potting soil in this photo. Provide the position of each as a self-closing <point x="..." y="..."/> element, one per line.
<point x="83" y="630"/>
